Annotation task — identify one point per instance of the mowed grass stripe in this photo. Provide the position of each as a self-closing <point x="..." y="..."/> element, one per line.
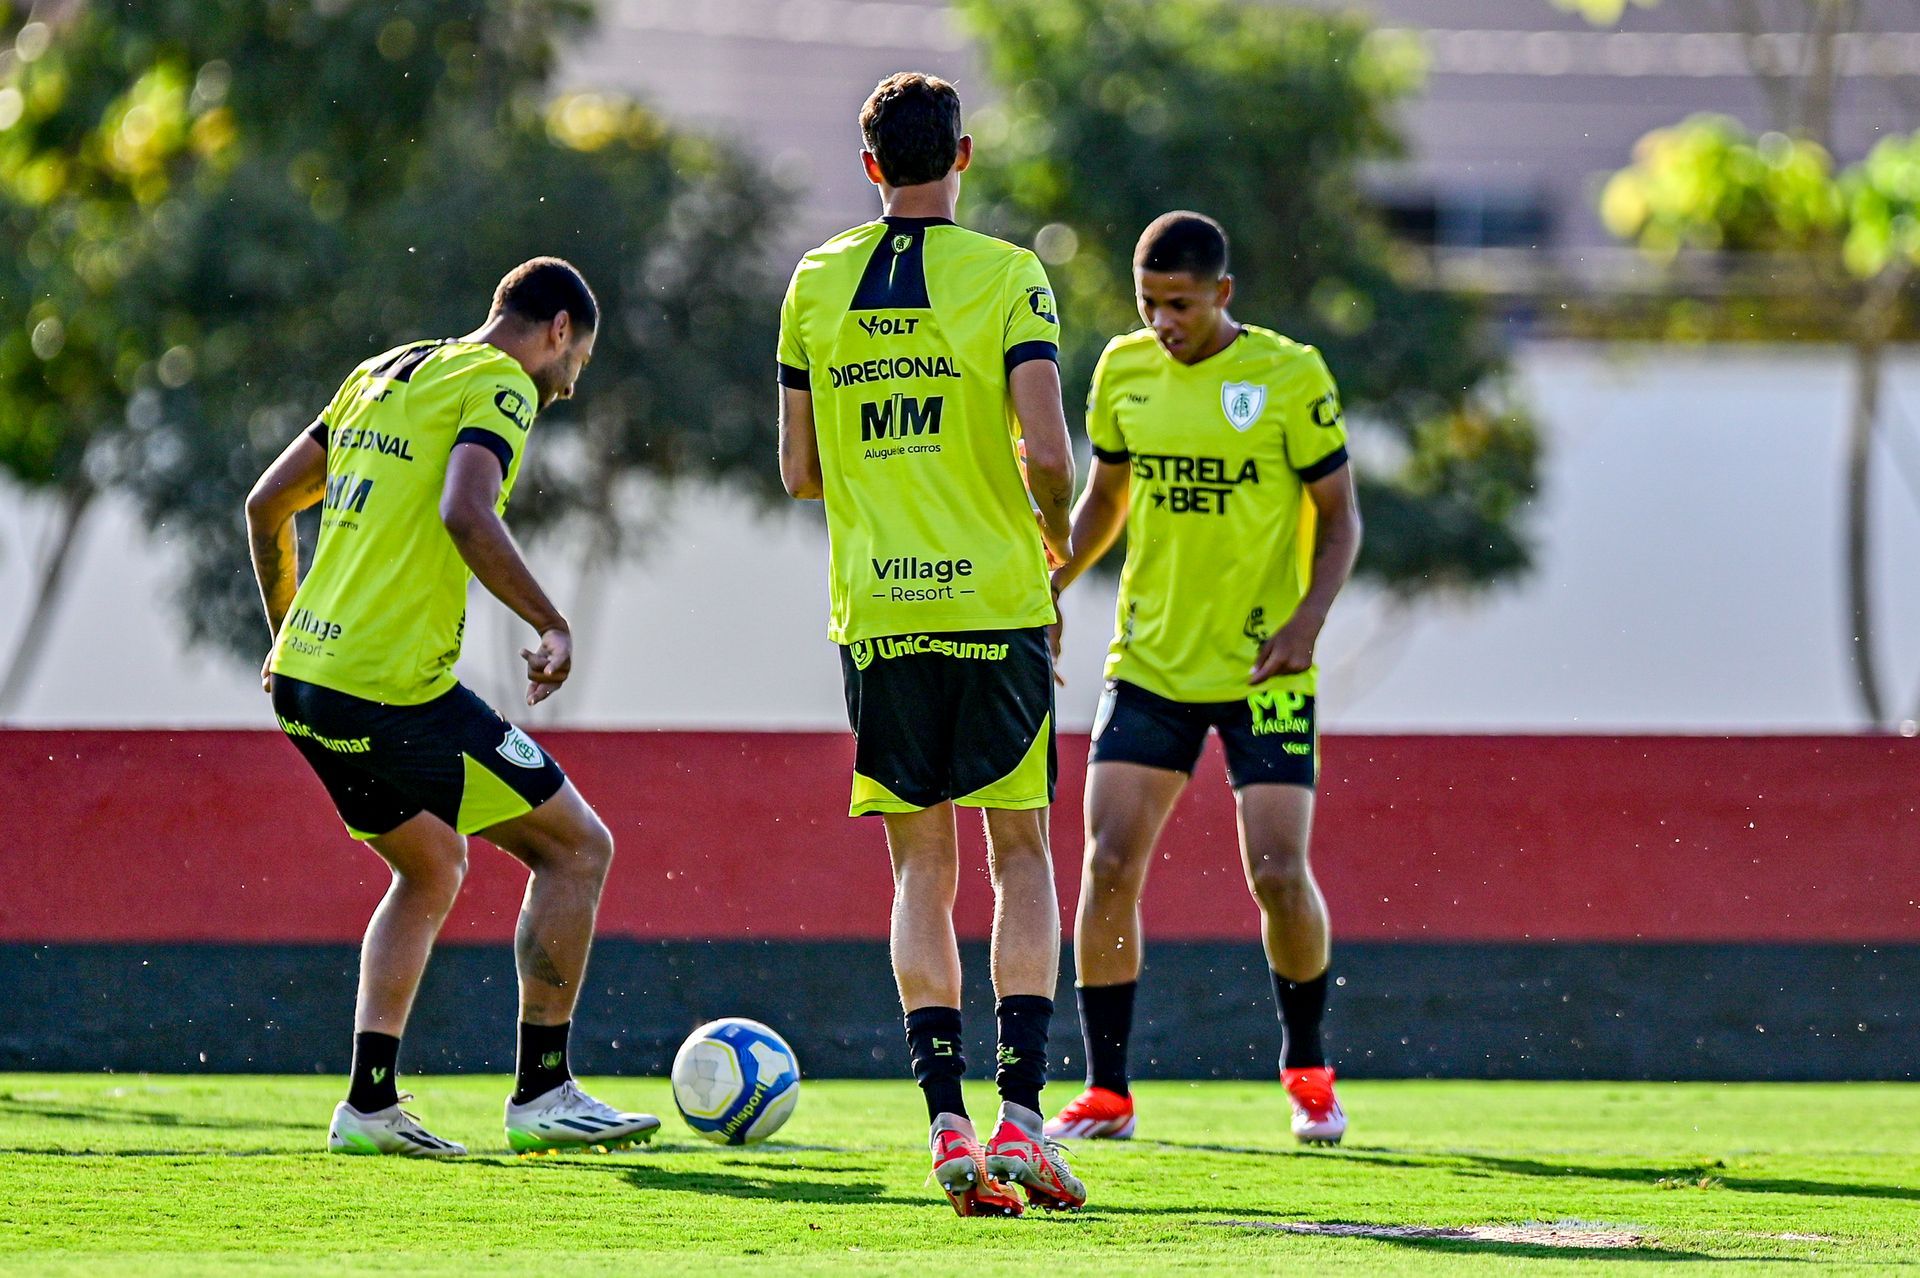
<point x="225" y="1174"/>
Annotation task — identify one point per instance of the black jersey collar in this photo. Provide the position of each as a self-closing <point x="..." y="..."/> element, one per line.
<point x="916" y="223"/>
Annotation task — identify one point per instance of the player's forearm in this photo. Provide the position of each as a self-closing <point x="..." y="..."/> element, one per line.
<point x="1097" y="521"/>
<point x="1334" y="554"/>
<point x="1052" y="487"/>
<point x="488" y="548"/>
<point x="272" y="547"/>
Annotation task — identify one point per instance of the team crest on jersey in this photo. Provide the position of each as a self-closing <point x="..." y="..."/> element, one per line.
<point x="901" y="243"/>
<point x="1243" y="403"/>
<point x="518" y="749"/>
<point x="861" y="650"/>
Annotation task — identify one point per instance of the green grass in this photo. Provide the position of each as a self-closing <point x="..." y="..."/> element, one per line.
<point x="163" y="1175"/>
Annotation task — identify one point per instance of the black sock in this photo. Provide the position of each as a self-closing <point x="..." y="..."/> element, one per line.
<point x="371" y="1086"/>
<point x="543" y="1060"/>
<point x="1106" y="1023"/>
<point x="1024" y="1019"/>
<point x="1301" y="1003"/>
<point x="933" y="1039"/>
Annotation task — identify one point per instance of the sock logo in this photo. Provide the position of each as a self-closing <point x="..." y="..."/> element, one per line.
<point x="1008" y="1056"/>
<point x="550" y="1061"/>
<point x="943" y="1047"/>
<point x="380" y="1074"/>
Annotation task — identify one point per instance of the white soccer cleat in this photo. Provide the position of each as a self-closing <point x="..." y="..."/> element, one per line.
<point x="566" y="1118"/>
<point x="385" y="1131"/>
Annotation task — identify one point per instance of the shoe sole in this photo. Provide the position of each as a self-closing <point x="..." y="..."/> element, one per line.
<point x="535" y="1146"/>
<point x="964" y="1179"/>
<point x="361" y="1147"/>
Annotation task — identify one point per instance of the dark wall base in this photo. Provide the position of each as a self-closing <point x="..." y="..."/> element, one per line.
<point x="1205" y="1011"/>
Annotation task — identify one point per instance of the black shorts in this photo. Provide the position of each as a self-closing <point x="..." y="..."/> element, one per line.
<point x="965" y="716"/>
<point x="382" y="765"/>
<point x="1270" y="737"/>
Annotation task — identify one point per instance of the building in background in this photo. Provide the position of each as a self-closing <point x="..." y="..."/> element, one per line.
<point x="1689" y="528"/>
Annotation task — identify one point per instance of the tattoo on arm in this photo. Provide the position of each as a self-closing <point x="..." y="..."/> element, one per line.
<point x="532" y="957"/>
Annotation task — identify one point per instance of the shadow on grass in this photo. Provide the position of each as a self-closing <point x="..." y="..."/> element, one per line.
<point x="1643" y="1175"/>
<point x="1585" y="1255"/>
<point x="52" y="1152"/>
<point x="108" y="1115"/>
<point x="654" y="1177"/>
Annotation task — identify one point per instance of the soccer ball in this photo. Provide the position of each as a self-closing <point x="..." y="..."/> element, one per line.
<point x="735" y="1081"/>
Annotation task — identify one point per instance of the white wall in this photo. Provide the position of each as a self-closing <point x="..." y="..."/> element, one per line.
<point x="1688" y="578"/>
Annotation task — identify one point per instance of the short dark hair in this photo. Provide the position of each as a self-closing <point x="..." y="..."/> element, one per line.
<point x="911" y="123"/>
<point x="540" y="288"/>
<point x="1183" y="241"/>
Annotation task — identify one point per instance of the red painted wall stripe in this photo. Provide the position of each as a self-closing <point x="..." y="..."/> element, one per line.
<point x="170" y="836"/>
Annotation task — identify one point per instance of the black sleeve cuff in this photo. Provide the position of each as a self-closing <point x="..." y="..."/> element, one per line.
<point x="1025" y="351"/>
<point x="795" y="378"/>
<point x="1114" y="455"/>
<point x="1325" y="466"/>
<point x="502" y="451"/>
<point x="318" y="433"/>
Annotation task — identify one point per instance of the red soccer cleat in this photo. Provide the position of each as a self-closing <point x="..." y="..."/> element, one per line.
<point x="1317" y="1116"/>
<point x="1021" y="1154"/>
<point x="960" y="1165"/>
<point x="1095" y="1114"/>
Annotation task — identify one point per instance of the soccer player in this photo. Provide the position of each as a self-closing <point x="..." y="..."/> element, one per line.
<point x="1219" y="448"/>
<point x="412" y="464"/>
<point x="915" y="357"/>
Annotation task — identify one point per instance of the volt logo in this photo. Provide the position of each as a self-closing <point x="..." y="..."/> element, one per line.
<point x="899" y="416"/>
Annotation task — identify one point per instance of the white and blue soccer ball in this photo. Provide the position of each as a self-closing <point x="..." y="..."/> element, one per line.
<point x="735" y="1081"/>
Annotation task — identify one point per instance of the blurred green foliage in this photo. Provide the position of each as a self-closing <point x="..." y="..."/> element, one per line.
<point x="215" y="208"/>
<point x="1115" y="111"/>
<point x="1820" y="235"/>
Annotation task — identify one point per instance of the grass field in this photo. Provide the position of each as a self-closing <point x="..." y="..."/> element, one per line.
<point x="163" y="1175"/>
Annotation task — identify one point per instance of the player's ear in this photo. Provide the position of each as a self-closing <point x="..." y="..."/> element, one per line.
<point x="1225" y="295"/>
<point x="964" y="155"/>
<point x="560" y="329"/>
<point x="872" y="165"/>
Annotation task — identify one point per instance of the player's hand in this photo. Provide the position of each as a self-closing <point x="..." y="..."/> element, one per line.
<point x="266" y="673"/>
<point x="1059" y="550"/>
<point x="548" y="665"/>
<point x="1289" y="650"/>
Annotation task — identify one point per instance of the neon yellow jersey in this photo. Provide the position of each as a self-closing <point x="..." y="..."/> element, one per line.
<point x="381" y="612"/>
<point x="1219" y="530"/>
<point x="905" y="330"/>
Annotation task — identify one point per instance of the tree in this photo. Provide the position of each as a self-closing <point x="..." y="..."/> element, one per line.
<point x="1261" y="115"/>
<point x="207" y="253"/>
<point x="1707" y="185"/>
<point x="1838" y="250"/>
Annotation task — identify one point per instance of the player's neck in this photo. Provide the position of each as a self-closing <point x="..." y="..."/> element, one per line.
<point x="929" y="199"/>
<point x="1223" y="336"/>
<point x="502" y="332"/>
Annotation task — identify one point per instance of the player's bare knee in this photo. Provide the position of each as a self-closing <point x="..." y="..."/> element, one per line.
<point x="1280" y="883"/>
<point x="1013" y="855"/>
<point x="438" y="879"/>
<point x="593" y="852"/>
<point x="1111" y="867"/>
